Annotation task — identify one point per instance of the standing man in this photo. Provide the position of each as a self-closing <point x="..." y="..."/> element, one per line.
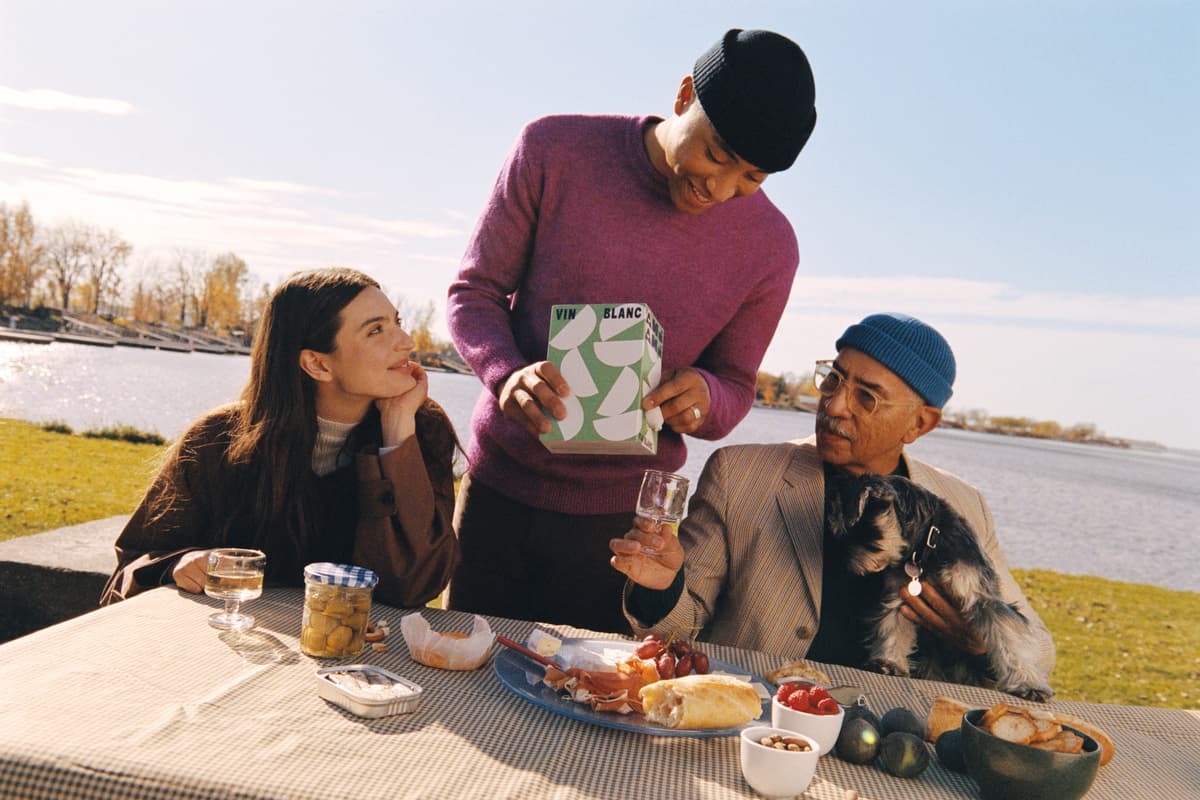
<point x="598" y="209"/>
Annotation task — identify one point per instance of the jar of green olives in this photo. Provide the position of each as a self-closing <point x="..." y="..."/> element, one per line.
<point x="337" y="607"/>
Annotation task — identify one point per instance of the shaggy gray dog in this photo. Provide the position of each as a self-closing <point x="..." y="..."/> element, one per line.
<point x="882" y="522"/>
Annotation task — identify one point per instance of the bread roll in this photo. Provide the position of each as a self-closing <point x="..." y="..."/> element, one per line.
<point x="945" y="715"/>
<point x="701" y="701"/>
<point x="799" y="669"/>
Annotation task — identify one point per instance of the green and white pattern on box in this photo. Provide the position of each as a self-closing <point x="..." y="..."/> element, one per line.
<point x="611" y="357"/>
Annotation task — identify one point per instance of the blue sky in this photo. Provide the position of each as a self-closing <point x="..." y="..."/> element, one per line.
<point x="1024" y="175"/>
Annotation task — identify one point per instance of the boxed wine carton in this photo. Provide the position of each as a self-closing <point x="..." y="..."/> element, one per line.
<point x="611" y="357"/>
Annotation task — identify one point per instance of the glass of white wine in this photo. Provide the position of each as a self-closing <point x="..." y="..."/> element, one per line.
<point x="235" y="575"/>
<point x="662" y="498"/>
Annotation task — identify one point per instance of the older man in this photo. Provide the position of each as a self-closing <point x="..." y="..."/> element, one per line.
<point x="754" y="565"/>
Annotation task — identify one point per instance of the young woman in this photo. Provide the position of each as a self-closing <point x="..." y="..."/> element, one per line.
<point x="333" y="453"/>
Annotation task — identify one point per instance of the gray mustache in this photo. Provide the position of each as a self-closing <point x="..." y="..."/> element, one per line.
<point x="828" y="424"/>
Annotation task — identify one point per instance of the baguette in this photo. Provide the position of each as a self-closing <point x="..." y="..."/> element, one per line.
<point x="988" y="721"/>
<point x="1014" y="727"/>
<point x="700" y="701"/>
<point x="1047" y="728"/>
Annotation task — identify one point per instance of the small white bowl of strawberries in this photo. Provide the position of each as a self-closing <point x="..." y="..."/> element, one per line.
<point x="805" y="707"/>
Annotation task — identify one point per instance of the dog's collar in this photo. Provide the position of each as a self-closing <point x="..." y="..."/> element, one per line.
<point x="914" y="568"/>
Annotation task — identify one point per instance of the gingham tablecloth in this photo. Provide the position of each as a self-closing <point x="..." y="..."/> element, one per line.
<point x="144" y="700"/>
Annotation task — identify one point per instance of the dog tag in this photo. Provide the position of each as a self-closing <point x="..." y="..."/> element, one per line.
<point x="914" y="573"/>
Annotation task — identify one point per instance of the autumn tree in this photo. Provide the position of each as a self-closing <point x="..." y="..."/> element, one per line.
<point x="149" y="299"/>
<point x="219" y="307"/>
<point x="1080" y="432"/>
<point x="105" y="254"/>
<point x="765" y="388"/>
<point x="66" y="258"/>
<point x="418" y="321"/>
<point x="1045" y="429"/>
<point x="802" y="385"/>
<point x="21" y="265"/>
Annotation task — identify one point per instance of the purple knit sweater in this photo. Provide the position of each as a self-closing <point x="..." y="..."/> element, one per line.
<point x="580" y="215"/>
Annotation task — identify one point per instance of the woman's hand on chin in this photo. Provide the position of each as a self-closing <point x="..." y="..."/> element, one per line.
<point x="398" y="414"/>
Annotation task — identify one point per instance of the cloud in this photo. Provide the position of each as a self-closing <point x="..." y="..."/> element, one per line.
<point x="993" y="301"/>
<point x="15" y="160"/>
<point x="51" y="100"/>
<point x="147" y="207"/>
<point x="283" y="187"/>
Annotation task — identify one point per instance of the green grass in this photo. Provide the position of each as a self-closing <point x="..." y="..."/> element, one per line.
<point x="124" y="433"/>
<point x="1122" y="643"/>
<point x="49" y="479"/>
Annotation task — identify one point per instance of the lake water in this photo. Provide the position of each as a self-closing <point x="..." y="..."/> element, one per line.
<point x="1082" y="509"/>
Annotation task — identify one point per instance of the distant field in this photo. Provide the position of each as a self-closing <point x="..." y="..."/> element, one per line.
<point x="1122" y="643"/>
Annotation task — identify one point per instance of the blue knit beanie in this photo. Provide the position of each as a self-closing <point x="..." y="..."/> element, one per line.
<point x="908" y="347"/>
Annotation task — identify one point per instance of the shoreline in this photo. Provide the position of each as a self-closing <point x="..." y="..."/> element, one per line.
<point x="996" y="430"/>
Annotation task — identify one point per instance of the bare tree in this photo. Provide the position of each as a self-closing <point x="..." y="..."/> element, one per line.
<point x="66" y="258"/>
<point x="106" y="254"/>
<point x="21" y="265"/>
<point x="186" y="279"/>
<point x="254" y="305"/>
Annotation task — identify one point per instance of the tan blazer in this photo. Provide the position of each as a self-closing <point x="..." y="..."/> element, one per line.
<point x="753" y="541"/>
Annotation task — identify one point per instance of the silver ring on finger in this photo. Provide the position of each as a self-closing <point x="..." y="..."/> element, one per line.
<point x="696" y="413"/>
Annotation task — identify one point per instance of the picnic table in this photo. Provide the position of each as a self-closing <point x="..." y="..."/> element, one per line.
<point x="142" y="699"/>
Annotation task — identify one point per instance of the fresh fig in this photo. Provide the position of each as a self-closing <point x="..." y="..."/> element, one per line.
<point x="858" y="741"/>
<point x="900" y="719"/>
<point x="859" y="710"/>
<point x="950" y="751"/>
<point x="904" y="754"/>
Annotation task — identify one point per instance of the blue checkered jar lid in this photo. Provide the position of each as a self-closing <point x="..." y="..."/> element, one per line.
<point x="340" y="575"/>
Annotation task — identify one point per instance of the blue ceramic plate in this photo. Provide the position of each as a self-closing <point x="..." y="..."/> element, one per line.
<point x="523" y="677"/>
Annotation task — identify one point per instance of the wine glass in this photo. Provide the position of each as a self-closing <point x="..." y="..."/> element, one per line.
<point x="234" y="575"/>
<point x="662" y="498"/>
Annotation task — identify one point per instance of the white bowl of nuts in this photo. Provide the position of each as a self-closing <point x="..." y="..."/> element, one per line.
<point x="777" y="762"/>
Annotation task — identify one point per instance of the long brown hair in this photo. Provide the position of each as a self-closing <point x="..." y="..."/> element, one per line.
<point x="268" y="461"/>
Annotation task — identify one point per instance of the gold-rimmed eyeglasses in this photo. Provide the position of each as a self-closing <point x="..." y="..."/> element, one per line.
<point x="829" y="379"/>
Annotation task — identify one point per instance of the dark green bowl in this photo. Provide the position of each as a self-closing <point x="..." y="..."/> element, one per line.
<point x="1009" y="771"/>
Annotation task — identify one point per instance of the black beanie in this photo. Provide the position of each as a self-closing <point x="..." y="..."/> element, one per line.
<point x="757" y="89"/>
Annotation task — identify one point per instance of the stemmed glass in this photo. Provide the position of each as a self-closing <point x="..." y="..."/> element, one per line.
<point x="662" y="498"/>
<point x="234" y="575"/>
